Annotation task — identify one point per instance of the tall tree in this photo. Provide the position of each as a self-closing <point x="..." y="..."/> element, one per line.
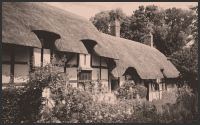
<point x="142" y="21"/>
<point x="178" y="21"/>
<point x="102" y="20"/>
<point x="186" y="60"/>
<point x="195" y="23"/>
<point x="125" y="31"/>
<point x="170" y="27"/>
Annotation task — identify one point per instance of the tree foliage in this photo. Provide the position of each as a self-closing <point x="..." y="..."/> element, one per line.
<point x="102" y="20"/>
<point x="170" y="27"/>
<point x="186" y="60"/>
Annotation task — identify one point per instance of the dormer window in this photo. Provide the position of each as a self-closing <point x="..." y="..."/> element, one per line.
<point x="85" y="59"/>
<point x="43" y="56"/>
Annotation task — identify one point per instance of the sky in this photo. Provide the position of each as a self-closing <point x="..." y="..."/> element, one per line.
<point x="89" y="9"/>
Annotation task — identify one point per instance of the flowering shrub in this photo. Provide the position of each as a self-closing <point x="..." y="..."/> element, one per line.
<point x="75" y="106"/>
<point x="129" y="91"/>
<point x="142" y="91"/>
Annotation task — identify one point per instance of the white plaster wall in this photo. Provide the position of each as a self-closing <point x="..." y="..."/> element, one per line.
<point x="122" y="80"/>
<point x="22" y="54"/>
<point x="154" y="94"/>
<point x="95" y="60"/>
<point x="104" y="78"/>
<point x="95" y="72"/>
<point x="103" y="63"/>
<point x="88" y="60"/>
<point x="104" y="74"/>
<point x="46" y="56"/>
<point x="20" y="73"/>
<point x="161" y="90"/>
<point x="36" y="57"/>
<point x="72" y="73"/>
<point x="81" y="59"/>
<point x="150" y="92"/>
<point x="5" y="72"/>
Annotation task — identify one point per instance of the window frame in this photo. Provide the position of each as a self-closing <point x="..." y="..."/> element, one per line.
<point x="12" y="62"/>
<point x="88" y="73"/>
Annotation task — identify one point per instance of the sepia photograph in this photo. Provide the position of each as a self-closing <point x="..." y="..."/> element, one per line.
<point x="99" y="62"/>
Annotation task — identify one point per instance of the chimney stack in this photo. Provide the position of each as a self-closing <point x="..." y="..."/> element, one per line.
<point x="148" y="39"/>
<point x="115" y="28"/>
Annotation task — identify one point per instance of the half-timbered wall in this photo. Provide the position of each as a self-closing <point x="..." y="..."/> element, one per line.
<point x="14" y="61"/>
<point x="100" y="70"/>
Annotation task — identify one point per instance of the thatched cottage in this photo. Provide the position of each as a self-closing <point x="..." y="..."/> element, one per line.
<point x="38" y="31"/>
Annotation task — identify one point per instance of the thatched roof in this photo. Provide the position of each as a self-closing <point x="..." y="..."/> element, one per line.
<point x="147" y="60"/>
<point x="20" y="19"/>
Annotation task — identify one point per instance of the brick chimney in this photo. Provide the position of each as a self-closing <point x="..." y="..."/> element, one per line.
<point x="148" y="39"/>
<point x="115" y="28"/>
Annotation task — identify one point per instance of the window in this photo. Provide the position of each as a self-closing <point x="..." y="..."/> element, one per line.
<point x="155" y="87"/>
<point x="85" y="76"/>
<point x="14" y="63"/>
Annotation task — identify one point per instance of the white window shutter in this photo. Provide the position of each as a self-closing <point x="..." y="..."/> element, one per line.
<point x="81" y="60"/>
<point x="46" y="56"/>
<point x="36" y="57"/>
<point x="88" y="60"/>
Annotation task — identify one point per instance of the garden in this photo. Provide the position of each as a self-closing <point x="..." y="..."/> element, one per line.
<point x="72" y="105"/>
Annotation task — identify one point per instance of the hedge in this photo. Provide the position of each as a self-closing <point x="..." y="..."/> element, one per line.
<point x="19" y="105"/>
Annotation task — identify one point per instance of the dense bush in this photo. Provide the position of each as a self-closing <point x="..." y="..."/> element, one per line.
<point x="129" y="91"/>
<point x="75" y="106"/>
<point x="74" y="103"/>
<point x="20" y="105"/>
<point x="10" y="107"/>
<point x="25" y="104"/>
<point x="142" y="91"/>
<point x="189" y="102"/>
